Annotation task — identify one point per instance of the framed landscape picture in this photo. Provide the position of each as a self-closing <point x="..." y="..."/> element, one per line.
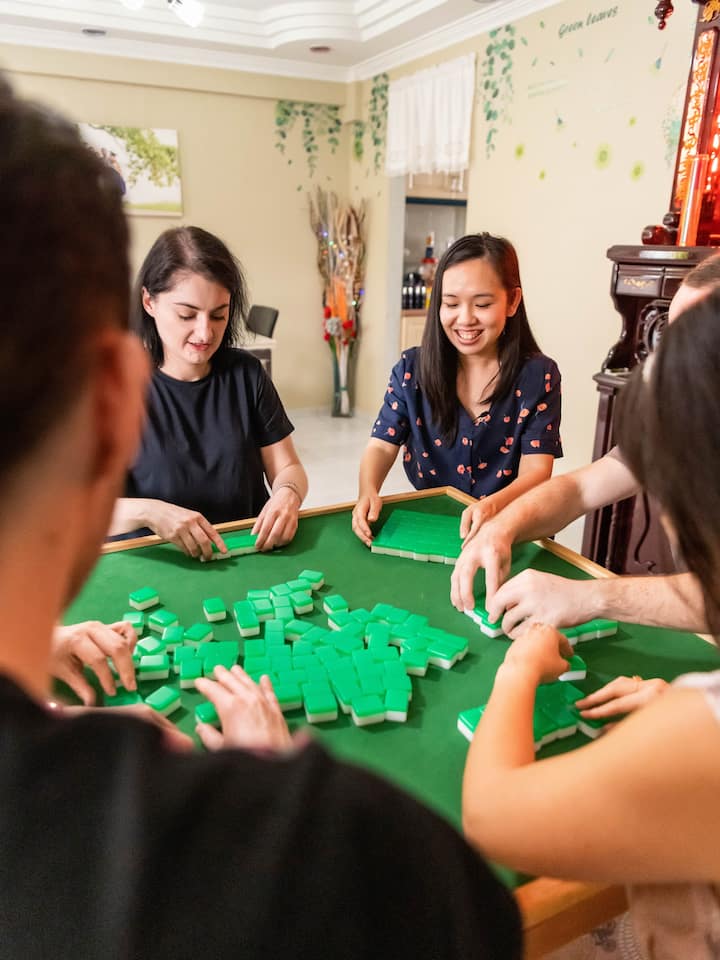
<point x="147" y="165"/>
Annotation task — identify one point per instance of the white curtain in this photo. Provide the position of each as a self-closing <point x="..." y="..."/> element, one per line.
<point x="430" y="118"/>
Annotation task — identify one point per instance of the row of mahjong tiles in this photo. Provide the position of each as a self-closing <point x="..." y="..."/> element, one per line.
<point x="555" y="715"/>
<point x="363" y="661"/>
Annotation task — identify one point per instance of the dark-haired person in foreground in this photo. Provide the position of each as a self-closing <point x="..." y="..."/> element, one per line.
<point x="216" y="435"/>
<point x="639" y="805"/>
<point x="476" y="406"/>
<point x="112" y="845"/>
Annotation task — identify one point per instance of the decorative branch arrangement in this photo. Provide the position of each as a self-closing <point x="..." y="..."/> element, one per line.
<point x="339" y="230"/>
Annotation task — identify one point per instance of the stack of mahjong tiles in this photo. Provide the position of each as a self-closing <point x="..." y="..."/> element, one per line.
<point x="554" y="718"/>
<point x="238" y="544"/>
<point x="419" y="536"/>
<point x="361" y="661"/>
<point x="172" y="652"/>
<point x="592" y="630"/>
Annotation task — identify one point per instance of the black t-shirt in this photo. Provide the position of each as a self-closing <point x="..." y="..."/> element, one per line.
<point x="113" y="848"/>
<point x="201" y="444"/>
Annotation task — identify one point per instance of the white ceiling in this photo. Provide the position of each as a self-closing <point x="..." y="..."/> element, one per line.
<point x="366" y="36"/>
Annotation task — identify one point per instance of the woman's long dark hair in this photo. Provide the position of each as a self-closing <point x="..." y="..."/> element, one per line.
<point x="188" y="250"/>
<point x="667" y="430"/>
<point x="438" y="366"/>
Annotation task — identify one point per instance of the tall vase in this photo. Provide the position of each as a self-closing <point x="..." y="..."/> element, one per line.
<point x="341" y="393"/>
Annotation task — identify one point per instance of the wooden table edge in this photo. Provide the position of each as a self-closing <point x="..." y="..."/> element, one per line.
<point x="554" y="911"/>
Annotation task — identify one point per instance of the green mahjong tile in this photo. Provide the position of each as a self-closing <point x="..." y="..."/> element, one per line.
<point x="362" y="615"/>
<point x="289" y="694"/>
<point x="396" y="702"/>
<point x="334" y="603"/>
<point x="385" y="654"/>
<point x="378" y="632"/>
<point x="280" y="590"/>
<point x="164" y="700"/>
<point x="199" y="633"/>
<point x="173" y="636"/>
<point x="341" y="618"/>
<point x="154" y="666"/>
<point x="214" y="608"/>
<point x="161" y="619"/>
<point x="149" y="646"/>
<point x="136" y="619"/>
<point x="300" y="585"/>
<point x="259" y="595"/>
<point x="143" y="598"/>
<point x="415" y="661"/>
<point x="314" y="577"/>
<point x="320" y="705"/>
<point x="122" y="698"/>
<point x="255" y="648"/>
<point x="206" y="713"/>
<point x="396" y="616"/>
<point x="368" y="706"/>
<point x="258" y="665"/>
<point x="274" y="632"/>
<point x="326" y="654"/>
<point x="263" y="608"/>
<point x="296" y="629"/>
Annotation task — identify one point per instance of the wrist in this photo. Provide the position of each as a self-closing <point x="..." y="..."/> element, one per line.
<point x="288" y="485"/>
<point x="518" y="673"/>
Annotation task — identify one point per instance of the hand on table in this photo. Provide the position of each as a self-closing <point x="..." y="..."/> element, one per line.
<point x="540" y="596"/>
<point x="90" y="644"/>
<point x="365" y="512"/>
<point x="621" y="696"/>
<point x="490" y="548"/>
<point x="277" y="522"/>
<point x="542" y="650"/>
<point x="187" y="529"/>
<point x="173" y="738"/>
<point x="249" y="713"/>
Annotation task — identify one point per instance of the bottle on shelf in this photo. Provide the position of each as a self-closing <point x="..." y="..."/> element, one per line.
<point x="428" y="268"/>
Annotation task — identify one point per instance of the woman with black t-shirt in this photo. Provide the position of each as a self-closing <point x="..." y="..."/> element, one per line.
<point x="216" y="434"/>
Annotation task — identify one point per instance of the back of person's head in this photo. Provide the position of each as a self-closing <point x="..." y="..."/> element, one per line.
<point x="667" y="430"/>
<point x="438" y="357"/>
<point x="63" y="270"/>
<point x="705" y="274"/>
<point x="175" y="254"/>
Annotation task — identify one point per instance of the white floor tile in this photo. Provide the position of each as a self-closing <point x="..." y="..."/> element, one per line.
<point x="330" y="449"/>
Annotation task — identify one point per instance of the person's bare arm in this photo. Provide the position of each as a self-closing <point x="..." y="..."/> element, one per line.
<point x="534" y="469"/>
<point x="277" y="521"/>
<point x="674" y="601"/>
<point x="594" y="813"/>
<point x="187" y="529"/>
<point x="375" y="465"/>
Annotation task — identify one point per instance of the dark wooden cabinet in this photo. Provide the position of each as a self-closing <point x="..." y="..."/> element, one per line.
<point x="627" y="537"/>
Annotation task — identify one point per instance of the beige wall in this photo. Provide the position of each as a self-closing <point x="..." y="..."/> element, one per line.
<point x="235" y="182"/>
<point x="553" y="189"/>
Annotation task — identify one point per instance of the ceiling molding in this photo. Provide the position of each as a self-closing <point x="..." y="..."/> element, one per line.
<point x="496" y="15"/>
<point x="166" y="53"/>
<point x="212" y="44"/>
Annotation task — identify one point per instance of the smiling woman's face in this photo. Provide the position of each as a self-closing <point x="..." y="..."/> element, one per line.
<point x="190" y="318"/>
<point x="475" y="306"/>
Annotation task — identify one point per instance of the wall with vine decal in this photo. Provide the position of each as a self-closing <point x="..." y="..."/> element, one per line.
<point x="496" y="81"/>
<point x="320" y="121"/>
<point x="376" y="123"/>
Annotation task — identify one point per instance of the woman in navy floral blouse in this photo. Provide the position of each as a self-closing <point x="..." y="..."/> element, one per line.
<point x="477" y="405"/>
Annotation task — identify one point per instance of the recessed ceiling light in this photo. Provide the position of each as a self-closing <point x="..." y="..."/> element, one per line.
<point x="94" y="32"/>
<point x="320" y="48"/>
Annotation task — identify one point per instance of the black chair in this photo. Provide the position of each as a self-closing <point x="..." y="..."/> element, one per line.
<point x="262" y="320"/>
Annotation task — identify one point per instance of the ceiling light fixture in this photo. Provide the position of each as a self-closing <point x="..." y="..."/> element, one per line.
<point x="320" y="48"/>
<point x="189" y="11"/>
<point x="93" y="32"/>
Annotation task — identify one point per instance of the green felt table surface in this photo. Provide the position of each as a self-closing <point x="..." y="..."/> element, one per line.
<point x="426" y="754"/>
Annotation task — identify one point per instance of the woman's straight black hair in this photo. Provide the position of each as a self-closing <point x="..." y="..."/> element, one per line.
<point x="438" y="365"/>
<point x="185" y="250"/>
